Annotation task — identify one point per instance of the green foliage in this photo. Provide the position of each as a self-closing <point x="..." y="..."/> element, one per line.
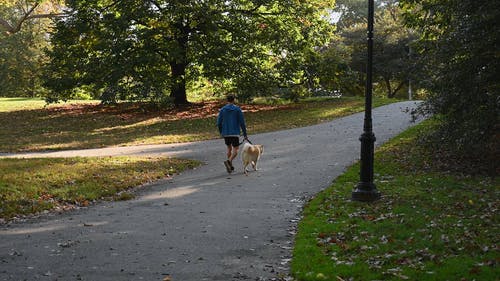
<point x="351" y="12"/>
<point x="427" y="225"/>
<point x="21" y="58"/>
<point x="458" y="53"/>
<point x="146" y="50"/>
<point x="391" y="65"/>
<point x="23" y="37"/>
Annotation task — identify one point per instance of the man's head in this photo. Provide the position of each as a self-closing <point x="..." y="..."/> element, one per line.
<point x="230" y="98"/>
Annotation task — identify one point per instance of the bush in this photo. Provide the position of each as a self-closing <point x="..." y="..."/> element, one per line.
<point x="457" y="56"/>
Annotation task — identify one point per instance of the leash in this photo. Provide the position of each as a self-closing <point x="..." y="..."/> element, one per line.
<point x="246" y="140"/>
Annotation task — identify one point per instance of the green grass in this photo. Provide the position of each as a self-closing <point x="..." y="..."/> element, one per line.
<point x="429" y="225"/>
<point x="20" y="103"/>
<point x="29" y="126"/>
<point x="13" y="104"/>
<point x="33" y="185"/>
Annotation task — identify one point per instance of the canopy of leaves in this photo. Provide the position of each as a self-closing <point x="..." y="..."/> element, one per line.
<point x="143" y="50"/>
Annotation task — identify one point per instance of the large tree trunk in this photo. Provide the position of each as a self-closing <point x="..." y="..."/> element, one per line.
<point x="178" y="91"/>
<point x="388" y="86"/>
<point x="178" y="65"/>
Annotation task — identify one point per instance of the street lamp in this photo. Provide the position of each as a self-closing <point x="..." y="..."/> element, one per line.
<point x="365" y="190"/>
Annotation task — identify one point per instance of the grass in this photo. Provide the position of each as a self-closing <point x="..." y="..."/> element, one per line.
<point x="21" y="103"/>
<point x="30" y="186"/>
<point x="29" y="126"/>
<point x="429" y="224"/>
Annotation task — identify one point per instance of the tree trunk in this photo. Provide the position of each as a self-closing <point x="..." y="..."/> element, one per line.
<point x="178" y="66"/>
<point x="390" y="92"/>
<point x="388" y="86"/>
<point x="178" y="91"/>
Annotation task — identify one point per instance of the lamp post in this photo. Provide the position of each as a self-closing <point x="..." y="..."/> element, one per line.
<point x="409" y="78"/>
<point x="365" y="190"/>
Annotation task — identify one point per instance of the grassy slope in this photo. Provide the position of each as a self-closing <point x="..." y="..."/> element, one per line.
<point x="429" y="225"/>
<point x="34" y="185"/>
<point x="35" y="128"/>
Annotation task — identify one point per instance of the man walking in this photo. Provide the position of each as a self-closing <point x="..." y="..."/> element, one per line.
<point x="229" y="121"/>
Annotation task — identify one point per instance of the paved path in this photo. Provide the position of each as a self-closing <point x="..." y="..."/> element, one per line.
<point x="203" y="224"/>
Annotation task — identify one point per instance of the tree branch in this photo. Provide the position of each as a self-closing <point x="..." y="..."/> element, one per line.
<point x="39" y="16"/>
<point x="114" y="3"/>
<point x="25" y="17"/>
<point x="398" y="88"/>
<point x="11" y="29"/>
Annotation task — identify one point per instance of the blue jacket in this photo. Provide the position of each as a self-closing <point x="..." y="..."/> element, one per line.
<point x="230" y="120"/>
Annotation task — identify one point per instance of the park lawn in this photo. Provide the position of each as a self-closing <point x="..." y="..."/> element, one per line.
<point x="29" y="186"/>
<point x="22" y="103"/>
<point x="29" y="126"/>
<point x="429" y="224"/>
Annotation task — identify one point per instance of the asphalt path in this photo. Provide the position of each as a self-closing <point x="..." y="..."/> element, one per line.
<point x="204" y="224"/>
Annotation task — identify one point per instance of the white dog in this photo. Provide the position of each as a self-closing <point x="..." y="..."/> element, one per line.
<point x="250" y="155"/>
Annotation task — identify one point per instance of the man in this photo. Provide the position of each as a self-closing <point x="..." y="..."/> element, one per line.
<point x="229" y="121"/>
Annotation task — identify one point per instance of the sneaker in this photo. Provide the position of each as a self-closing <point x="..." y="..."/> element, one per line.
<point x="227" y="163"/>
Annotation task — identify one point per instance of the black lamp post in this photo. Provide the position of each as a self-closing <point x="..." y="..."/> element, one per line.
<point x="366" y="190"/>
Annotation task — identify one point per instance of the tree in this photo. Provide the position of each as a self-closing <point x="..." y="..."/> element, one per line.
<point x="133" y="49"/>
<point x="391" y="66"/>
<point x="21" y="49"/>
<point x="351" y="13"/>
<point x="392" y="42"/>
<point x="458" y="54"/>
<point x="15" y="13"/>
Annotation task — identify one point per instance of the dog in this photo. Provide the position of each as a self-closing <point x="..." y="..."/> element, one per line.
<point x="250" y="155"/>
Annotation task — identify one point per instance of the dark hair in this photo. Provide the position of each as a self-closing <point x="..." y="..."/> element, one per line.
<point x="230" y="98"/>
